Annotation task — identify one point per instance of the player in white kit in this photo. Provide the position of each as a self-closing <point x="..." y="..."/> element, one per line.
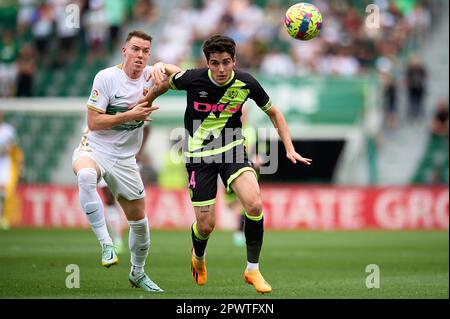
<point x="112" y="207"/>
<point x="119" y="104"/>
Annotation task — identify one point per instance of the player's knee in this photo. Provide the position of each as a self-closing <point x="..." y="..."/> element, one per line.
<point x="206" y="228"/>
<point x="135" y="213"/>
<point x="254" y="207"/>
<point x="87" y="179"/>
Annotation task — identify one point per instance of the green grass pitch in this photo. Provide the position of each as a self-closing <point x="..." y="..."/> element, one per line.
<point x="298" y="264"/>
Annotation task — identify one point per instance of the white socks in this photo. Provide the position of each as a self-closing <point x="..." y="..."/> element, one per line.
<point x="114" y="223"/>
<point x="139" y="242"/>
<point x="139" y="237"/>
<point x="92" y="204"/>
<point x="252" y="266"/>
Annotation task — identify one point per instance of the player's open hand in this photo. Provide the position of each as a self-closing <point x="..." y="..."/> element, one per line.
<point x="294" y="157"/>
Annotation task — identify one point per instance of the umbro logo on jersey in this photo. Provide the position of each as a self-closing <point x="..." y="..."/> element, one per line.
<point x="203" y="94"/>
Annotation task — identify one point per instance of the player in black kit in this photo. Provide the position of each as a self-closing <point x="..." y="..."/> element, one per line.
<point x="215" y="146"/>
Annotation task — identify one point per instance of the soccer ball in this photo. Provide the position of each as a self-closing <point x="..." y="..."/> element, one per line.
<point x="303" y="21"/>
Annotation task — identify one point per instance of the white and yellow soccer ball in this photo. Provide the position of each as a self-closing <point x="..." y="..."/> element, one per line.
<point x="303" y="21"/>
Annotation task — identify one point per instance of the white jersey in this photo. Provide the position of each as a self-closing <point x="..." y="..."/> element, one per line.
<point x="113" y="91"/>
<point x="7" y="137"/>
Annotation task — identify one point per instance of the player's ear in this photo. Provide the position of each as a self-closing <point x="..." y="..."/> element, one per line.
<point x="123" y="51"/>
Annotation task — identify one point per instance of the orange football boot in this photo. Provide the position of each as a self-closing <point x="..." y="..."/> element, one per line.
<point x="198" y="269"/>
<point x="254" y="277"/>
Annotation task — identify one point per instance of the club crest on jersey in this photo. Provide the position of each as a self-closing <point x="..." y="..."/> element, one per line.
<point x="232" y="93"/>
<point x="203" y="94"/>
<point x="206" y="107"/>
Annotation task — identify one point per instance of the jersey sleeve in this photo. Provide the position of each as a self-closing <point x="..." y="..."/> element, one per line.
<point x="99" y="99"/>
<point x="259" y="95"/>
<point x="181" y="80"/>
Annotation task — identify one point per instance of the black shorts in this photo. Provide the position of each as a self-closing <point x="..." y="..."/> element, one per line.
<point x="203" y="179"/>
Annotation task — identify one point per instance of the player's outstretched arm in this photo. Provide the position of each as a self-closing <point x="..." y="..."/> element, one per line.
<point x="101" y="121"/>
<point x="160" y="75"/>
<point x="279" y="123"/>
<point x="161" y="71"/>
<point x="167" y="69"/>
<point x="159" y="87"/>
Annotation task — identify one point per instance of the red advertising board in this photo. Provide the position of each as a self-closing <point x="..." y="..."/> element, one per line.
<point x="285" y="207"/>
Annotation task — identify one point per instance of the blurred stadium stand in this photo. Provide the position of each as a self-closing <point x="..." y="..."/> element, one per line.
<point x="328" y="88"/>
<point x="45" y="136"/>
<point x="402" y="149"/>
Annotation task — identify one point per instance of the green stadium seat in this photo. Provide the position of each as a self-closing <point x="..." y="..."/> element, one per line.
<point x="46" y="81"/>
<point x="43" y="176"/>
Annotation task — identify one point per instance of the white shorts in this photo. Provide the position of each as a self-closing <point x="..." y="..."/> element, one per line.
<point x="5" y="170"/>
<point x="122" y="176"/>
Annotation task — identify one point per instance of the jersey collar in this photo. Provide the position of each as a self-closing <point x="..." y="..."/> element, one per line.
<point x="227" y="82"/>
<point x="120" y="66"/>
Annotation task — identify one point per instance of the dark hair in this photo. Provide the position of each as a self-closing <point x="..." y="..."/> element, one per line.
<point x="219" y="44"/>
<point x="138" y="34"/>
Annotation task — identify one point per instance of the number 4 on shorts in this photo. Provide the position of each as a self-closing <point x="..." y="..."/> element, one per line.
<point x="192" y="180"/>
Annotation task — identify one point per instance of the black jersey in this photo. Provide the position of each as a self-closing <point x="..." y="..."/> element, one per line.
<point x="213" y="113"/>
